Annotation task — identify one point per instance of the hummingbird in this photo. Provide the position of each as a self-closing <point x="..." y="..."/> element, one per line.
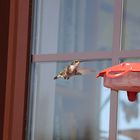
<point x="72" y="70"/>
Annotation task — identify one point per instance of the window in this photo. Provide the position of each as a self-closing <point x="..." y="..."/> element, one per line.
<point x="100" y="33"/>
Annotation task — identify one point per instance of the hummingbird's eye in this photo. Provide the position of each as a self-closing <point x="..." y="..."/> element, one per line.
<point x="75" y="61"/>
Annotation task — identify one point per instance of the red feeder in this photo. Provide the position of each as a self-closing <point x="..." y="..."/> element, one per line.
<point x="125" y="76"/>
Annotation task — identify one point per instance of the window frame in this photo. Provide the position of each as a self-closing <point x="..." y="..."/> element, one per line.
<point x="4" y="21"/>
<point x="16" y="60"/>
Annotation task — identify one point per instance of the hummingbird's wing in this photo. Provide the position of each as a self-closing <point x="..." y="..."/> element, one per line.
<point x="83" y="71"/>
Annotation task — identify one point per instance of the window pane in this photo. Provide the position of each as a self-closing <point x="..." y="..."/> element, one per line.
<point x="73" y="25"/>
<point x="74" y="109"/>
<point x="131" y="25"/>
<point x="128" y="118"/>
<point x="128" y="114"/>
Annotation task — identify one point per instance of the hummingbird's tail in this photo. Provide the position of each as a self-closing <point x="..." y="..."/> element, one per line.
<point x="55" y="78"/>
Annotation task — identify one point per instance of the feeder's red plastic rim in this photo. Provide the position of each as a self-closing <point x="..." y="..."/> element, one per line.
<point x="120" y="70"/>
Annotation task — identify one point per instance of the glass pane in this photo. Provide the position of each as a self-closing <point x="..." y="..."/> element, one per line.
<point x="74" y="109"/>
<point x="128" y="118"/>
<point x="72" y="26"/>
<point x="131" y="25"/>
<point x="128" y="114"/>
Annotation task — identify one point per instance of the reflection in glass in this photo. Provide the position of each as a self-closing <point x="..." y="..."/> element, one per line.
<point x="73" y="25"/>
<point x="131" y="25"/>
<point x="74" y="109"/>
